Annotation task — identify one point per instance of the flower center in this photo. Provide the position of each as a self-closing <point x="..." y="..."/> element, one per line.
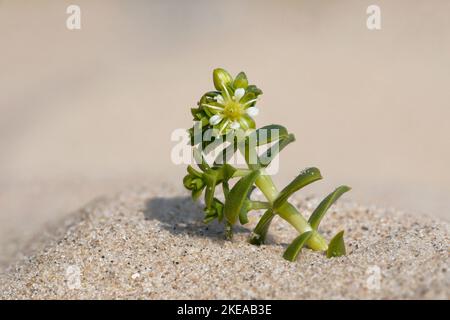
<point x="233" y="110"/>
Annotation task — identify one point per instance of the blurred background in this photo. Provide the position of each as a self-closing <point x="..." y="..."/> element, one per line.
<point x="88" y="112"/>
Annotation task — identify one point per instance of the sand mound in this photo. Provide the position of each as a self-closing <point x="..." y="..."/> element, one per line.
<point x="143" y="244"/>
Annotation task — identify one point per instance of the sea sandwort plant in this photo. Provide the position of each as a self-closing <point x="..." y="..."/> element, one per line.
<point x="228" y="111"/>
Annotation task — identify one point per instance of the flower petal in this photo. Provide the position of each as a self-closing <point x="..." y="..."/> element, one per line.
<point x="235" y="125"/>
<point x="238" y="94"/>
<point x="252" y="111"/>
<point x="215" y="119"/>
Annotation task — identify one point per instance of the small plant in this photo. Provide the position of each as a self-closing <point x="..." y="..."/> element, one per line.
<point x="227" y="113"/>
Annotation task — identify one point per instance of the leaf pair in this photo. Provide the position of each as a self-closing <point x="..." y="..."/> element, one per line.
<point x="336" y="246"/>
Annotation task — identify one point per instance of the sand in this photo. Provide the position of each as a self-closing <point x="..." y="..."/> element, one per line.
<point x="152" y="245"/>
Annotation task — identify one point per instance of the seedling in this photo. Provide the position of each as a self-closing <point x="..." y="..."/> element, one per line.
<point x="226" y="114"/>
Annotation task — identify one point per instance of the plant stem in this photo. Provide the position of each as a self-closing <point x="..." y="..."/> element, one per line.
<point x="228" y="231"/>
<point x="241" y="172"/>
<point x="259" y="234"/>
<point x="289" y="213"/>
<point x="258" y="205"/>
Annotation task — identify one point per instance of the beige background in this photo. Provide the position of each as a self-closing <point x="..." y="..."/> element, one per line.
<point x="88" y="112"/>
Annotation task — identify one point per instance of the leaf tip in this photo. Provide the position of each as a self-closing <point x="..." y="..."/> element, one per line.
<point x="296" y="246"/>
<point x="336" y="248"/>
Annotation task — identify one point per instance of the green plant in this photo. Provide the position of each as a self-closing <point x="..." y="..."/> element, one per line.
<point x="227" y="113"/>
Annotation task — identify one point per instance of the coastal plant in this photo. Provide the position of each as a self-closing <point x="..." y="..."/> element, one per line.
<point x="224" y="119"/>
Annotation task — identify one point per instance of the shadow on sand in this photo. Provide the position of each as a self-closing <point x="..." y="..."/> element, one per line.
<point x="181" y="215"/>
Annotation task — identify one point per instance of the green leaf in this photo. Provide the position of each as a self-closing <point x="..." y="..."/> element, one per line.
<point x="296" y="246"/>
<point x="194" y="172"/>
<point x="240" y="81"/>
<point x="258" y="236"/>
<point x="198" y="157"/>
<point x="196" y="193"/>
<point x="243" y="219"/>
<point x="226" y="154"/>
<point x="254" y="89"/>
<point x="266" y="134"/>
<point x="326" y="203"/>
<point x="225" y="171"/>
<point x="210" y="141"/>
<point x="211" y="178"/>
<point x="196" y="135"/>
<point x="306" y="177"/>
<point x="336" y="247"/>
<point x="238" y="195"/>
<point x="273" y="151"/>
<point x="215" y="211"/>
<point x="225" y="188"/>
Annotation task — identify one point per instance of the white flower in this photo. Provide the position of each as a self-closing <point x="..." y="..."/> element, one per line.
<point x="229" y="112"/>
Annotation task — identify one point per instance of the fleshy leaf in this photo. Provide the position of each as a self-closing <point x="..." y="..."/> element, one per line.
<point x="254" y="89"/>
<point x="240" y="81"/>
<point x="273" y="151"/>
<point x="336" y="247"/>
<point x="238" y="195"/>
<point x="215" y="211"/>
<point x="258" y="236"/>
<point x="198" y="157"/>
<point x="211" y="178"/>
<point x="296" y="246"/>
<point x="243" y="219"/>
<point x="264" y="135"/>
<point x="306" y="177"/>
<point x="226" y="171"/>
<point x="326" y="203"/>
<point x="226" y="154"/>
<point x="196" y="193"/>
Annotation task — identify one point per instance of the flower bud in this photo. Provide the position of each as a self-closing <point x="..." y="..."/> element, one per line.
<point x="221" y="78"/>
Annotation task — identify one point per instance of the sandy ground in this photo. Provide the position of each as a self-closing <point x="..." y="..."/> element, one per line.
<point x="89" y="112"/>
<point x="142" y="244"/>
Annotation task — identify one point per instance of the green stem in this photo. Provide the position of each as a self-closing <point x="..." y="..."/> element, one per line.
<point x="258" y="205"/>
<point x="259" y="234"/>
<point x="228" y="231"/>
<point x="289" y="213"/>
<point x="241" y="173"/>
